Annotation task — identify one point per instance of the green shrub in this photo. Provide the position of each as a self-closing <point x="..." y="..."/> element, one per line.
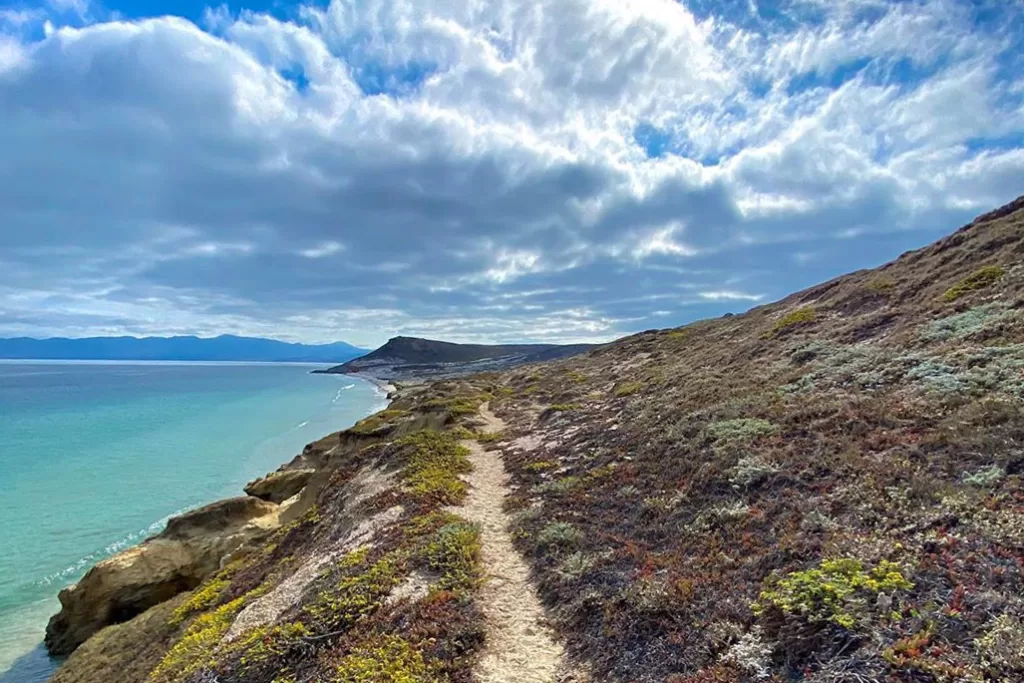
<point x="559" y="535"/>
<point x="559" y="486"/>
<point x="799" y="316"/>
<point x="965" y="324"/>
<point x="832" y="592"/>
<point x="740" y="429"/>
<point x="979" y="279"/>
<point x="197" y="647"/>
<point x="459" y="405"/>
<point x="880" y="284"/>
<point x="437" y="459"/>
<point x="750" y="470"/>
<point x="377" y="421"/>
<point x="812" y="350"/>
<point x="628" y="388"/>
<point x="574" y="566"/>
<point x="986" y="478"/>
<point x="1002" y="646"/>
<point x="202" y="598"/>
<point x="359" y="590"/>
<point x="266" y="642"/>
<point x="386" y="659"/>
<point x="454" y="552"/>
<point x="490" y="437"/>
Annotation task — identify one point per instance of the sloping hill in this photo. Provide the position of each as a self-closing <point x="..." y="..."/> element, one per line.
<point x="827" y="489"/>
<point x="222" y="348"/>
<point x="412" y="357"/>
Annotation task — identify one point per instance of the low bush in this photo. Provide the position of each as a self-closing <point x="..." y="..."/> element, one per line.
<point x="800" y="316"/>
<point x="979" y="279"/>
<point x="833" y="592"/>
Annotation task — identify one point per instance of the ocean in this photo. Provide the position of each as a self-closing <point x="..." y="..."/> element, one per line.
<point x="95" y="456"/>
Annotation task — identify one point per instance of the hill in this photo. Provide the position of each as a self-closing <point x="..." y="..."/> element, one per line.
<point x="223" y="348"/>
<point x="412" y="357"/>
<point x="824" y="489"/>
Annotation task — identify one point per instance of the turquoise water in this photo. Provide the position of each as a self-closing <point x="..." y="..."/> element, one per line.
<point x="94" y="457"/>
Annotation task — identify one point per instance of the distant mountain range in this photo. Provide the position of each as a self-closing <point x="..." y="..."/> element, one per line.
<point x="412" y="357"/>
<point x="223" y="348"/>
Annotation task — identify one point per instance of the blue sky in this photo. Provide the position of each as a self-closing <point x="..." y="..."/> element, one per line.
<point x="483" y="170"/>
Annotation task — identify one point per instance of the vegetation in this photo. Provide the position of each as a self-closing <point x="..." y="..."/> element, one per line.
<point x="196" y="648"/>
<point x="354" y="621"/>
<point x="798" y="316"/>
<point x="843" y="503"/>
<point x="832" y="592"/>
<point x="979" y="279"/>
<point x="454" y="554"/>
<point x="201" y="599"/>
<point x="358" y="589"/>
<point x="880" y="284"/>
<point x="628" y="389"/>
<point x="378" y="421"/>
<point x="436" y="460"/>
<point x="389" y="659"/>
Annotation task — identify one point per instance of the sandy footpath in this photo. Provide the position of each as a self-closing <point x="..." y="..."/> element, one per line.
<point x="519" y="647"/>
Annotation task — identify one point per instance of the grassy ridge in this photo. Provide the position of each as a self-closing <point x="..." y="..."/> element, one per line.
<point x="825" y="489"/>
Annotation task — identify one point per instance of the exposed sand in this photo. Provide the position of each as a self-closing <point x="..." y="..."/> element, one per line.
<point x="519" y="649"/>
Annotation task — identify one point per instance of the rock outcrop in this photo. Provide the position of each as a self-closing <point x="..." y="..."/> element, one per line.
<point x="192" y="547"/>
<point x="278" y="487"/>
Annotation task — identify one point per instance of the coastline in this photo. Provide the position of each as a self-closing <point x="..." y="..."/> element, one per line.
<point x="386" y="385"/>
<point x="390" y="390"/>
<point x="29" y="666"/>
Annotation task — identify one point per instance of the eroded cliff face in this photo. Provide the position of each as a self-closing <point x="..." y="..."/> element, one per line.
<point x="824" y="489"/>
<point x="369" y="567"/>
<point x="191" y="548"/>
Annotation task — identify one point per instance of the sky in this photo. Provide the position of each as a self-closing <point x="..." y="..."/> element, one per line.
<point x="483" y="170"/>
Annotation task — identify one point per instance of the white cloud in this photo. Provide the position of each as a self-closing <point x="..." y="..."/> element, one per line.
<point x="662" y="242"/>
<point x="323" y="250"/>
<point x="728" y="295"/>
<point x="470" y="166"/>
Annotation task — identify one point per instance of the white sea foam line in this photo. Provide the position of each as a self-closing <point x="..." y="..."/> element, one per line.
<point x="348" y="386"/>
<point x="117" y="546"/>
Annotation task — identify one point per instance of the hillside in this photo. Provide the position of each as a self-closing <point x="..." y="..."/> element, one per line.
<point x="415" y="358"/>
<point x="222" y="348"/>
<point x="824" y="489"/>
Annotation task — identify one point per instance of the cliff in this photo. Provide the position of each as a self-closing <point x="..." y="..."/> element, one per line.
<point x="824" y="489"/>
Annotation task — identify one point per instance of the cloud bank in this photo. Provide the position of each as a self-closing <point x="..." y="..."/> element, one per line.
<point x="485" y="170"/>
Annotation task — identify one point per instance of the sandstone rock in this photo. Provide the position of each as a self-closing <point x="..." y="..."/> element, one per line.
<point x="221" y="516"/>
<point x="192" y="547"/>
<point x="278" y="487"/>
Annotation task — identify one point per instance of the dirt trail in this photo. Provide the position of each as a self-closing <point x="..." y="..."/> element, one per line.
<point x="519" y="647"/>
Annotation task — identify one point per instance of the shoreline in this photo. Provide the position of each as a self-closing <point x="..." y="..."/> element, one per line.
<point x="387" y="387"/>
<point x="383" y="395"/>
